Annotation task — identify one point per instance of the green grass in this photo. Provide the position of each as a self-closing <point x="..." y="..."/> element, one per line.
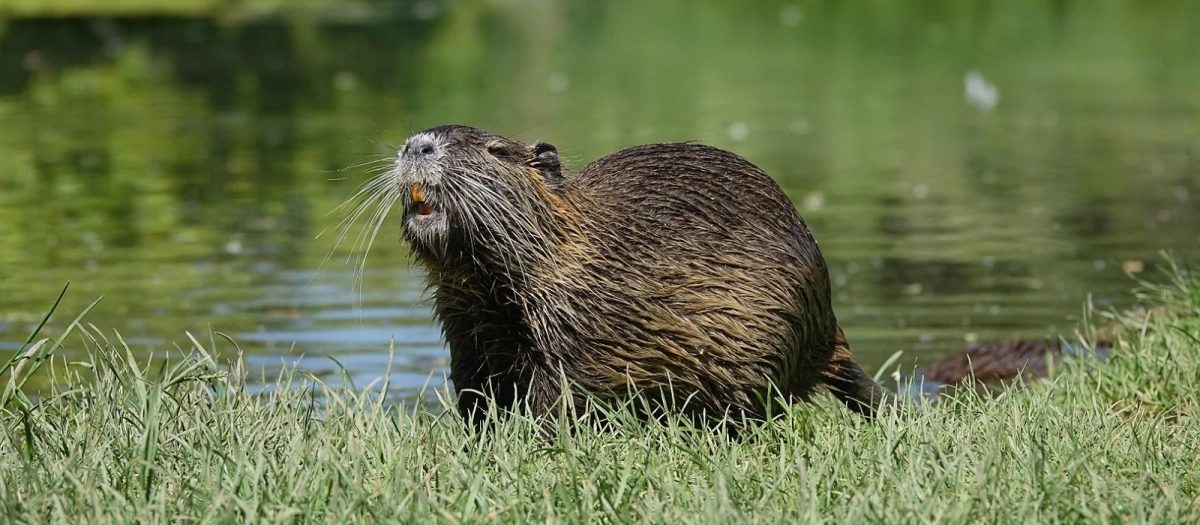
<point x="186" y="442"/>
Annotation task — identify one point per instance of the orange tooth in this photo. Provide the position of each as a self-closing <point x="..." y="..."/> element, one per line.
<point x="416" y="194"/>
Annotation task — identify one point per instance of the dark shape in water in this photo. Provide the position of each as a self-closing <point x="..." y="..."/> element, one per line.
<point x="999" y="363"/>
<point x="996" y="364"/>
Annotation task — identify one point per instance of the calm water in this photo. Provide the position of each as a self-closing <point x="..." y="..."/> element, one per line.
<point x="972" y="170"/>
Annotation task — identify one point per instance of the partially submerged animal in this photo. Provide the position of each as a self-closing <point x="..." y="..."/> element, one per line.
<point x="1001" y="363"/>
<point x="995" y="364"/>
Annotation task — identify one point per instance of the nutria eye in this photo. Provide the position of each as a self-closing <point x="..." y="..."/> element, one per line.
<point x="503" y="150"/>
<point x="427" y="150"/>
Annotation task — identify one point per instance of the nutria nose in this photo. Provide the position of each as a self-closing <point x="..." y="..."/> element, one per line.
<point x="420" y="148"/>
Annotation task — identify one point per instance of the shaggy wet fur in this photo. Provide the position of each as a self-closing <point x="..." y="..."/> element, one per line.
<point x="680" y="270"/>
<point x="999" y="363"/>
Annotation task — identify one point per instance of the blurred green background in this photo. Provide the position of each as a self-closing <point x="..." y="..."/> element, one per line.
<point x="973" y="169"/>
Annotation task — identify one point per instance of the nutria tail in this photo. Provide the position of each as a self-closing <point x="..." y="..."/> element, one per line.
<point x="850" y="384"/>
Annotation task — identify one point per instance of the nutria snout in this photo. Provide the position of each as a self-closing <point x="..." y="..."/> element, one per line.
<point x="680" y="270"/>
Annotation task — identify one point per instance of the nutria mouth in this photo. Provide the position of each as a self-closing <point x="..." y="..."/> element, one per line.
<point x="418" y="197"/>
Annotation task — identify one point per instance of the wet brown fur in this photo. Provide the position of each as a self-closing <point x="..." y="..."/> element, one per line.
<point x="996" y="363"/>
<point x="680" y="270"/>
<point x="999" y="363"/>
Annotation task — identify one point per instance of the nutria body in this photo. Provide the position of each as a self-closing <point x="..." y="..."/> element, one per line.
<point x="680" y="270"/>
<point x="997" y="363"/>
<point x="994" y="364"/>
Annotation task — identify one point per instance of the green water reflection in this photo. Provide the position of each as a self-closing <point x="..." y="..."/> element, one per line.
<point x="183" y="167"/>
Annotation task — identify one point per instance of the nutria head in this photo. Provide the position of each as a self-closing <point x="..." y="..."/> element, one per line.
<point x="468" y="193"/>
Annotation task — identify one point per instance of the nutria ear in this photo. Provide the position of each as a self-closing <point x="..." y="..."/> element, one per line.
<point x="545" y="160"/>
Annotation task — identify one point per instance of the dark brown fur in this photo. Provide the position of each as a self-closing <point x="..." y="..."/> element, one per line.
<point x="680" y="270"/>
<point x="998" y="363"/>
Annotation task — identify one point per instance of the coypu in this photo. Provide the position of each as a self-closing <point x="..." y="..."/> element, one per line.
<point x="679" y="271"/>
<point x="997" y="363"/>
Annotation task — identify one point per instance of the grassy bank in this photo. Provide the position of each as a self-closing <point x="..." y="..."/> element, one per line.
<point x="1110" y="444"/>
